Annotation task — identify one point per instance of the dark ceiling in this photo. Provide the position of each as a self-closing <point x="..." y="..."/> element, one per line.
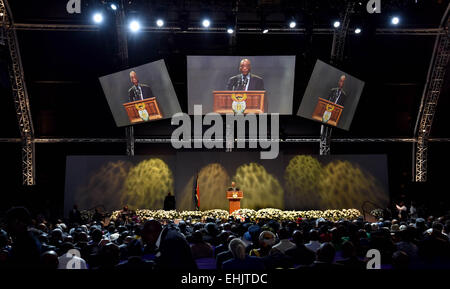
<point x="62" y="67"/>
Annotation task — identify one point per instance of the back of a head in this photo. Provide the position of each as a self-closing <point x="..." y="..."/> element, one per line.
<point x="49" y="260"/>
<point x="237" y="248"/>
<point x="348" y="249"/>
<point x="313" y="235"/>
<point x="297" y="236"/>
<point x="197" y="237"/>
<point x="326" y="253"/>
<point x="96" y="235"/>
<point x="65" y="247"/>
<point x="400" y="260"/>
<point x="17" y="219"/>
<point x="266" y="239"/>
<point x="283" y="234"/>
<point x="437" y="227"/>
<point x="3" y="238"/>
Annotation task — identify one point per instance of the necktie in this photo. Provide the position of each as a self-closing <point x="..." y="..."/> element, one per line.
<point x="244" y="83"/>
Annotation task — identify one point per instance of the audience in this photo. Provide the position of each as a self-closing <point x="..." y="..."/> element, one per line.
<point x="221" y="244"/>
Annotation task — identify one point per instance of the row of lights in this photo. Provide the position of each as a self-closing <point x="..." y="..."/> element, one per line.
<point x="135" y="26"/>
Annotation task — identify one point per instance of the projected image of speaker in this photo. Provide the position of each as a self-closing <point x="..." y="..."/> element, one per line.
<point x="140" y="94"/>
<point x="331" y="96"/>
<point x="241" y="84"/>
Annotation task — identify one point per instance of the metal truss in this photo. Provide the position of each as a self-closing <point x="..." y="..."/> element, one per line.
<point x="337" y="56"/>
<point x="243" y="30"/>
<point x="20" y="95"/>
<point x="430" y="97"/>
<point x="129" y="130"/>
<point x="168" y="140"/>
<point x="123" y="57"/>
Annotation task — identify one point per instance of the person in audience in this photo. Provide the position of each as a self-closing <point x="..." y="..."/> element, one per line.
<point x="225" y="255"/>
<point x="169" y="246"/>
<point x="25" y="248"/>
<point x="266" y="241"/>
<point x="200" y="248"/>
<point x="68" y="259"/>
<point x="300" y="254"/>
<point x="284" y="243"/>
<point x="314" y="243"/>
<point x="350" y="260"/>
<point x="240" y="260"/>
<point x="325" y="258"/>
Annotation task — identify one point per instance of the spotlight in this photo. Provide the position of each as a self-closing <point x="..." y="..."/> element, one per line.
<point x="357" y="30"/>
<point x="265" y="30"/>
<point x="160" y="23"/>
<point x="206" y="23"/>
<point x="230" y="30"/>
<point x="113" y="6"/>
<point x="292" y="24"/>
<point x="395" y="20"/>
<point x="336" y="24"/>
<point x="98" y="17"/>
<point x="135" y="26"/>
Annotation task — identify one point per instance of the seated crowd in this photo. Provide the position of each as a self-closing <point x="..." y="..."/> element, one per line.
<point x="224" y="245"/>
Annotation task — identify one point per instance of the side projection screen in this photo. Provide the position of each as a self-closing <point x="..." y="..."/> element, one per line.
<point x="331" y="96"/>
<point x="140" y="94"/>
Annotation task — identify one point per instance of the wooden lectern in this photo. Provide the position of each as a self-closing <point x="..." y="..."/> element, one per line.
<point x="235" y="200"/>
<point x="143" y="110"/>
<point x="254" y="100"/>
<point x="333" y="114"/>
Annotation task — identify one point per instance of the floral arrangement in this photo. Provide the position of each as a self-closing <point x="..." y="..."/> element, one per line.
<point x="377" y="213"/>
<point x="270" y="214"/>
<point x="86" y="215"/>
<point x="216" y="214"/>
<point x="245" y="214"/>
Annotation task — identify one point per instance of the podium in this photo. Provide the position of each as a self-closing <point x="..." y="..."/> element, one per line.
<point x="253" y="99"/>
<point x="327" y="112"/>
<point x="234" y="197"/>
<point x="143" y="110"/>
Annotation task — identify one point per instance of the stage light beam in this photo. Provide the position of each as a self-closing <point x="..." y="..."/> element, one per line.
<point x="160" y="23"/>
<point x="98" y="18"/>
<point x="135" y="26"/>
<point x="206" y="23"/>
<point x="395" y="20"/>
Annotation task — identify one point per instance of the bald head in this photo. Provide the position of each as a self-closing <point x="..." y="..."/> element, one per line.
<point x="133" y="78"/>
<point x="341" y="81"/>
<point x="245" y="66"/>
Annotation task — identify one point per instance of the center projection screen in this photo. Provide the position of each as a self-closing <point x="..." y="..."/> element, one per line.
<point x="274" y="75"/>
<point x="290" y="182"/>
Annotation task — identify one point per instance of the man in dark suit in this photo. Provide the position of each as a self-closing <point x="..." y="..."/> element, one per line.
<point x="233" y="188"/>
<point x="169" y="202"/>
<point x="245" y="80"/>
<point x="138" y="91"/>
<point x="337" y="94"/>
